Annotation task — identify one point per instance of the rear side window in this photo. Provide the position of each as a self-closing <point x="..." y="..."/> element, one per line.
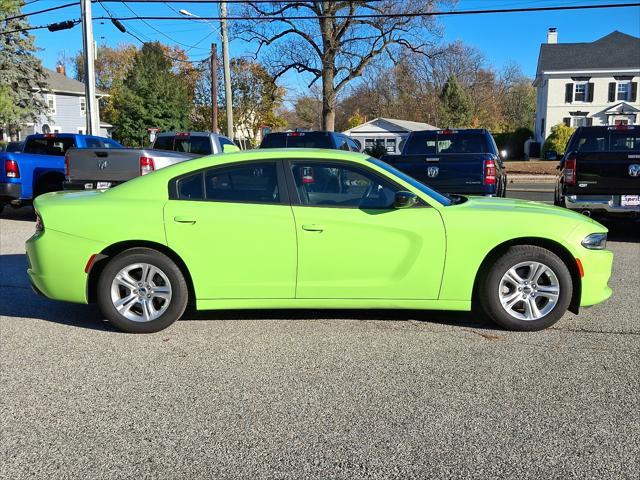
<point x="49" y="146"/>
<point x="247" y="183"/>
<point x="252" y="183"/>
<point x="435" y="143"/>
<point x="163" y="143"/>
<point x="191" y="188"/>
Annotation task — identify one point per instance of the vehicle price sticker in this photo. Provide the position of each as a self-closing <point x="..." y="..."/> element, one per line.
<point x="630" y="200"/>
<point x="102" y="185"/>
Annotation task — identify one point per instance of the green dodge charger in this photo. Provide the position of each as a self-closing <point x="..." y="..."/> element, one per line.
<point x="310" y="229"/>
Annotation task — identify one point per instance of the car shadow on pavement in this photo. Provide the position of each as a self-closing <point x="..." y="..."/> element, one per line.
<point x="17" y="299"/>
<point x="22" y="214"/>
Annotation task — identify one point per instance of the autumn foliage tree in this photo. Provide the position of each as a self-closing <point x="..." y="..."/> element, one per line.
<point x="335" y="41"/>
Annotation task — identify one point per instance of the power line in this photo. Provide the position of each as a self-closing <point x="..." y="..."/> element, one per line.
<point x="50" y="9"/>
<point x="399" y="15"/>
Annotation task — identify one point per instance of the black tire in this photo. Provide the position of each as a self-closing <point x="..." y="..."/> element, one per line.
<point x="489" y="289"/>
<point x="177" y="284"/>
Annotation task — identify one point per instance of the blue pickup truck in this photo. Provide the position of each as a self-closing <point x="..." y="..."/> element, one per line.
<point x="40" y="166"/>
<point x="461" y="161"/>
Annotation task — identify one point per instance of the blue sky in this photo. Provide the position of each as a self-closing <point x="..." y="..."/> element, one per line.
<point x="502" y="38"/>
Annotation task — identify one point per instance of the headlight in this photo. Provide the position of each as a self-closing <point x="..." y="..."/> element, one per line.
<point x="595" y="241"/>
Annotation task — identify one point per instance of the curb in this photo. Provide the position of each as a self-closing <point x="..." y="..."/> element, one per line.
<point x="520" y="178"/>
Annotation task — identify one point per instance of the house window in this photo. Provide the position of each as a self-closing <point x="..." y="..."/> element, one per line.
<point x="391" y="145"/>
<point x="581" y="92"/>
<point x="623" y="91"/>
<point x="50" y="100"/>
<point x="579" y="122"/>
<point x="83" y="106"/>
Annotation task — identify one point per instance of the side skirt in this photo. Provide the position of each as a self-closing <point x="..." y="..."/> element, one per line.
<point x="330" y="303"/>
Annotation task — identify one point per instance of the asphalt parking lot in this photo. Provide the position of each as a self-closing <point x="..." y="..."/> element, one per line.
<point x="317" y="394"/>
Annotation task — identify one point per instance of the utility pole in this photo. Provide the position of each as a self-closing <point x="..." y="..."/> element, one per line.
<point x="214" y="89"/>
<point x="93" y="120"/>
<point x="227" y="69"/>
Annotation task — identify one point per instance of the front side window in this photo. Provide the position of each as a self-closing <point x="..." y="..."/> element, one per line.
<point x="581" y="92"/>
<point x="335" y="185"/>
<point x="623" y="91"/>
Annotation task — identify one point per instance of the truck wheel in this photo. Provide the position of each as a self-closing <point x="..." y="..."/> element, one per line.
<point x="528" y="288"/>
<point x="142" y="291"/>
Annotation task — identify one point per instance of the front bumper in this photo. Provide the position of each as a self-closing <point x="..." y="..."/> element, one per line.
<point x="10" y="191"/>
<point x="599" y="203"/>
<point x="597" y="266"/>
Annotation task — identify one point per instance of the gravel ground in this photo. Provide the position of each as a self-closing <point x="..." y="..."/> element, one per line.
<point x="317" y="394"/>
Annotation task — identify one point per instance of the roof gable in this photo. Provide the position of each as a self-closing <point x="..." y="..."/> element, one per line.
<point x="391" y="125"/>
<point x="616" y="50"/>
<point x="57" y="82"/>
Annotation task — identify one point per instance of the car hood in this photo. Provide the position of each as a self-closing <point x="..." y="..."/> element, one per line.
<point x="493" y="205"/>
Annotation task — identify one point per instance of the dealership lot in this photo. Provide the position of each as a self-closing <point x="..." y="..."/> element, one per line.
<point x="317" y="394"/>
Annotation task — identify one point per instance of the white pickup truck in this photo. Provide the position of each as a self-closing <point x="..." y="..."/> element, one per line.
<point x="100" y="168"/>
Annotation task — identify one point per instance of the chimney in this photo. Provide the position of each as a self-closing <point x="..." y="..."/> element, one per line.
<point x="60" y="69"/>
<point x="552" y="35"/>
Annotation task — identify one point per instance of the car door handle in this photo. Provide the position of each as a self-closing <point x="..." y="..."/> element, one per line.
<point x="183" y="219"/>
<point x="313" y="227"/>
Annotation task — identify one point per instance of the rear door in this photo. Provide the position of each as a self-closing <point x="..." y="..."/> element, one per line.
<point x="234" y="228"/>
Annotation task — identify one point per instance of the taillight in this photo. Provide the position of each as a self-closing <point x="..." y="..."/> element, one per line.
<point x="570" y="170"/>
<point x="66" y="166"/>
<point x="11" y="168"/>
<point x="146" y="165"/>
<point x="489" y="172"/>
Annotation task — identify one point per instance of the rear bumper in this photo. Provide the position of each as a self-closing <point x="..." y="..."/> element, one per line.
<point x="10" y="191"/>
<point x="599" y="203"/>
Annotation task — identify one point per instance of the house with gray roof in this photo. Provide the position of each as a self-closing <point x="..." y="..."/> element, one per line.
<point x="387" y="132"/>
<point x="591" y="83"/>
<point x="66" y="107"/>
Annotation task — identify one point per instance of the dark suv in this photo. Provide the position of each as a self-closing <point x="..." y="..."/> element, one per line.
<point x="310" y="139"/>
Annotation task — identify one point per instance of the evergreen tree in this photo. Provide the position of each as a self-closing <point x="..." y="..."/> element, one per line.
<point x="456" y="107"/>
<point x="21" y="73"/>
<point x="152" y="95"/>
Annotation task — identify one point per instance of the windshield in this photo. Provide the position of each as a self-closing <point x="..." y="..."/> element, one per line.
<point x="413" y="182"/>
<point x="297" y="140"/>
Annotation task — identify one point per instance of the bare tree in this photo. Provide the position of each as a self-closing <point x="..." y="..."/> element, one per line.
<point x="334" y="41"/>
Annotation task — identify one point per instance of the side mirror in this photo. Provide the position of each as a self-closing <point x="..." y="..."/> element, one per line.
<point x="404" y="199"/>
<point x="226" y="148"/>
<point x="551" y="155"/>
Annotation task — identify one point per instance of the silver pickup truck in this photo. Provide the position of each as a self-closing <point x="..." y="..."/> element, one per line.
<point x="99" y="168"/>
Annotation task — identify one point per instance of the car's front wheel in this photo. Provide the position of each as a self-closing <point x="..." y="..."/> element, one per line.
<point x="142" y="291"/>
<point x="527" y="288"/>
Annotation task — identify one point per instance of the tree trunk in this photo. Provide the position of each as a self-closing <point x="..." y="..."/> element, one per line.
<point x="328" y="99"/>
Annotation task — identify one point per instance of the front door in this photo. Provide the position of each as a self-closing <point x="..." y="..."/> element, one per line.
<point x="235" y="231"/>
<point x="353" y="244"/>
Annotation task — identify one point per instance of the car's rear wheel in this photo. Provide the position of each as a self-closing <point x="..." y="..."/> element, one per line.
<point x="142" y="291"/>
<point x="527" y="288"/>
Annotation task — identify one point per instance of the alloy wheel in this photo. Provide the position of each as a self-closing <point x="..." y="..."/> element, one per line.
<point x="529" y="290"/>
<point x="141" y="292"/>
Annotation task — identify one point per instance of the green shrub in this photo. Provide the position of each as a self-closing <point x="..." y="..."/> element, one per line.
<point x="513" y="142"/>
<point x="557" y="139"/>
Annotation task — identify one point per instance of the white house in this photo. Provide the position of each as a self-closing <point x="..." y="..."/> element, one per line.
<point x="388" y="132"/>
<point x="66" y="102"/>
<point x="584" y="84"/>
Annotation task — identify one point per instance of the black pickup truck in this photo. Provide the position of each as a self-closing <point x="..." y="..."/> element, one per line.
<point x="600" y="171"/>
<point x="453" y="161"/>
